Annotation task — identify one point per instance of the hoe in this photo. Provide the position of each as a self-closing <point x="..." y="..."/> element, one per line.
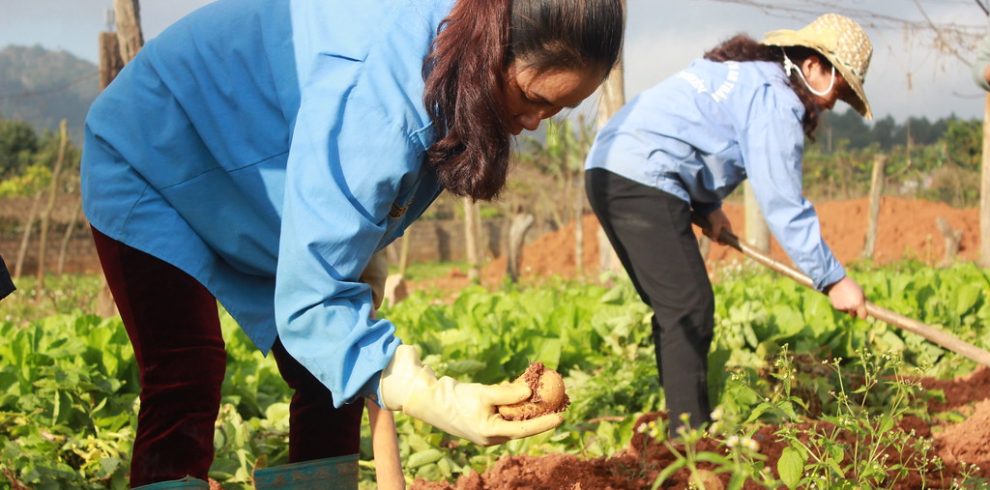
<point x="932" y="334"/>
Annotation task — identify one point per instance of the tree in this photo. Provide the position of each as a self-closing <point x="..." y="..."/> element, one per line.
<point x="18" y="144"/>
<point x="883" y="132"/>
<point x="964" y="140"/>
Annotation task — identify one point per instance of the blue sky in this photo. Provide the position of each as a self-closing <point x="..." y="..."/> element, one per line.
<point x="662" y="36"/>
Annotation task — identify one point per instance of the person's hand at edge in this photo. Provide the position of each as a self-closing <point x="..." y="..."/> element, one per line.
<point x="847" y="296"/>
<point x="717" y="221"/>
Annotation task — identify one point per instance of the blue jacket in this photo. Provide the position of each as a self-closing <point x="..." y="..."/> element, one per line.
<point x="268" y="148"/>
<point x="700" y="133"/>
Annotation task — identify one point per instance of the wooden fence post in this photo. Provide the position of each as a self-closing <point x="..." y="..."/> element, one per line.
<point x="612" y="97"/>
<point x="985" y="189"/>
<point x="110" y="60"/>
<point x="128" y="21"/>
<point x="757" y="231"/>
<point x="876" y="195"/>
<point x="952" y="238"/>
<point x="521" y="223"/>
<point x="128" y="42"/>
<point x="471" y="239"/>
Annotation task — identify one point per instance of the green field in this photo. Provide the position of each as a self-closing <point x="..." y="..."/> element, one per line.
<point x="68" y="382"/>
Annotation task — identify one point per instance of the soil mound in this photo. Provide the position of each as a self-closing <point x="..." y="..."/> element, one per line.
<point x="967" y="442"/>
<point x="961" y="391"/>
<point x="960" y="446"/>
<point x="554" y="472"/>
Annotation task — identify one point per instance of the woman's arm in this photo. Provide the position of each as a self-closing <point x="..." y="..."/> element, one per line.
<point x="773" y="144"/>
<point x="346" y="164"/>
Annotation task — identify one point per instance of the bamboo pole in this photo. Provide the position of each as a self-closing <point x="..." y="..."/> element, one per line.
<point x="46" y="212"/>
<point x="928" y="332"/>
<point x="64" y="247"/>
<point x="26" y="236"/>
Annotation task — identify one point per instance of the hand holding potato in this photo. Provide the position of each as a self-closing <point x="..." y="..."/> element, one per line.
<point x="548" y="394"/>
<point x="466" y="410"/>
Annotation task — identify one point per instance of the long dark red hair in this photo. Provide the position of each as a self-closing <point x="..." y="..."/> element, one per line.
<point x="744" y="48"/>
<point x="465" y="94"/>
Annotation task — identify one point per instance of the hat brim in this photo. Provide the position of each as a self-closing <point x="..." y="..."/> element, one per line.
<point x="789" y="38"/>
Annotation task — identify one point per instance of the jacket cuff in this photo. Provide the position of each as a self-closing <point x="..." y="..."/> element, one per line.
<point x="372" y="390"/>
<point x="706" y="208"/>
<point x="832" y="277"/>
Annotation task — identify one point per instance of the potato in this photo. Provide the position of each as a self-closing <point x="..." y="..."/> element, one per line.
<point x="548" y="394"/>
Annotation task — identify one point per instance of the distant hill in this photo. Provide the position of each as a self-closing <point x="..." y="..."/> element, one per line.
<point x="42" y="87"/>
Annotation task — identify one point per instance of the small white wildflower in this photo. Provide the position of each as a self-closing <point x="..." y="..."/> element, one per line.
<point x="732" y="441"/>
<point x="750" y="444"/>
<point x="717" y="413"/>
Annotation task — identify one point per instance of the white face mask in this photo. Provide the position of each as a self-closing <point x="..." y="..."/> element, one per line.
<point x="789" y="65"/>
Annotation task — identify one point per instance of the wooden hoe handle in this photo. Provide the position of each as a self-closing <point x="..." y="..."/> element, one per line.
<point x="385" y="447"/>
<point x="932" y="334"/>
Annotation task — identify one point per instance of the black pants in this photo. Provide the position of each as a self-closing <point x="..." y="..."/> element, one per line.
<point x="6" y="284"/>
<point x="651" y="233"/>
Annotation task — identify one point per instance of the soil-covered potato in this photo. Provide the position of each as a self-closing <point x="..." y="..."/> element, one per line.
<point x="548" y="394"/>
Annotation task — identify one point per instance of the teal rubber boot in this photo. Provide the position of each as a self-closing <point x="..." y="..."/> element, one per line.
<point x="187" y="483"/>
<point x="339" y="473"/>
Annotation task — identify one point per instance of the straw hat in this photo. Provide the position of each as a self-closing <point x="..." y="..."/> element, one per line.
<point x="843" y="42"/>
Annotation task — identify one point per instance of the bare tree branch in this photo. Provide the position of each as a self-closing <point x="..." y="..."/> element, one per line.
<point x="983" y="6"/>
<point x="940" y="37"/>
<point x="951" y="38"/>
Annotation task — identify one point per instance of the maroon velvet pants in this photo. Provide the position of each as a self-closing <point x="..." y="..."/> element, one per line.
<point x="173" y="324"/>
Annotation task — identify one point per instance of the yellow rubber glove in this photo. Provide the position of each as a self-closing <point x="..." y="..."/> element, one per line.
<point x="465" y="410"/>
<point x="374" y="275"/>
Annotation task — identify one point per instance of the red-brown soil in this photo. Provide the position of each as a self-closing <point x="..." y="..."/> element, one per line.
<point x="906" y="229"/>
<point x="637" y="466"/>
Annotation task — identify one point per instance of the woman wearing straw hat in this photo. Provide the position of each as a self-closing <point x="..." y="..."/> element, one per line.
<point x="681" y="147"/>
